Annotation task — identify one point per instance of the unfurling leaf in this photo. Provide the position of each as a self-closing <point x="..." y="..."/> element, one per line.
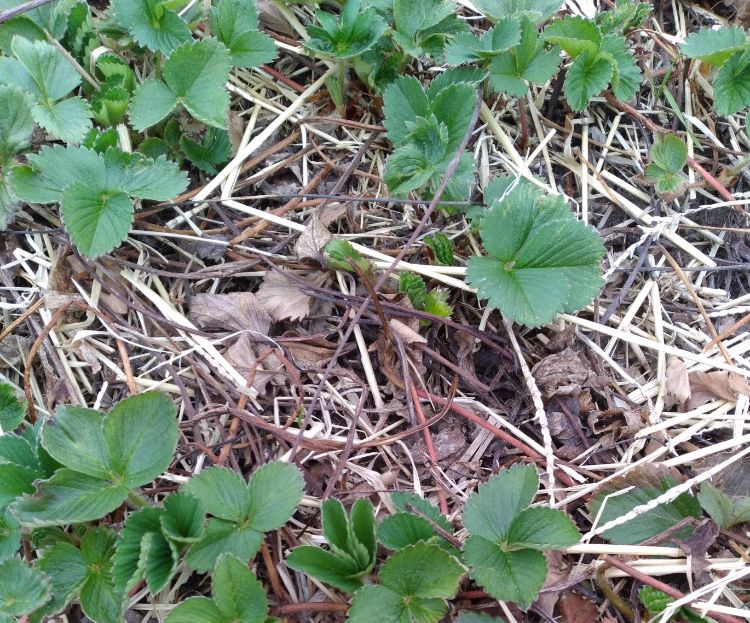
<point x="542" y="260"/>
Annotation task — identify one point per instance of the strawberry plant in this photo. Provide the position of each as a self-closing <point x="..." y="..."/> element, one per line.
<point x="727" y="49"/>
<point x="433" y="302"/>
<point x="668" y="159"/>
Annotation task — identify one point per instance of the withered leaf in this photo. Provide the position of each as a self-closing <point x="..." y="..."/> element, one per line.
<point x="561" y="373"/>
<point x="243" y="356"/>
<point x="677" y="384"/>
<point x="238" y="311"/>
<point x="281" y="297"/>
<point x="311" y="242"/>
<point x="707" y="386"/>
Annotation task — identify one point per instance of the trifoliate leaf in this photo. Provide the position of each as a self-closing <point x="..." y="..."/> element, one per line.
<point x="356" y="31"/>
<point x="12" y="410"/>
<point x="235" y="24"/>
<point x="668" y="158"/>
<point x="151" y="24"/>
<point x="66" y="568"/>
<point x="506" y="575"/>
<point x="414" y="584"/>
<point x="22" y="589"/>
<point x="423" y="27"/>
<point x="43" y="72"/>
<point x="542" y="259"/>
<point x="574" y="35"/>
<point x="715" y="46"/>
<point x="214" y="149"/>
<point x="352" y="542"/>
<point x="242" y="512"/>
<point x="726" y="510"/>
<point x="468" y="48"/>
<point x="638" y="487"/>
<point x="588" y="76"/>
<point x="528" y="61"/>
<point x="732" y="84"/>
<point x="535" y="10"/>
<point x="16" y="123"/>
<point x="194" y="76"/>
<point x="93" y="190"/>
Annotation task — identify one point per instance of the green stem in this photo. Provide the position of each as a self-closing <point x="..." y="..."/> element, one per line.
<point x="136" y="499"/>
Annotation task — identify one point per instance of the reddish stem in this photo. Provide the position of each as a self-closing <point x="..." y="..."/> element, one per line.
<point x="429" y="445"/>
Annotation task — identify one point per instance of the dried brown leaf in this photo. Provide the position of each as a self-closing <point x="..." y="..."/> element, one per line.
<point x="575" y="608"/>
<point x="562" y="373"/>
<point x="405" y="333"/>
<point x="238" y="311"/>
<point x="243" y="357"/>
<point x="707" y="386"/>
<point x="311" y="242"/>
<point x="281" y="297"/>
<point x="677" y="384"/>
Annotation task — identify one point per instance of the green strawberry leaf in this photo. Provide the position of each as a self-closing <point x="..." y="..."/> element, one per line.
<point x="69" y="497"/>
<point x="510" y="71"/>
<point x="732" y="84"/>
<point x="182" y="521"/>
<point x="726" y="510"/>
<point x="194" y="75"/>
<point x="414" y="584"/>
<point x="468" y="48"/>
<point x="414" y="287"/>
<point x="12" y="410"/>
<point x="356" y="31"/>
<point x="574" y="35"/>
<point x="242" y="512"/>
<point x="214" y="149"/>
<point x="16" y="125"/>
<point x="638" y="487"/>
<point x="588" y="76"/>
<point x="100" y="600"/>
<point x="22" y="589"/>
<point x="668" y="158"/>
<point x="68" y="119"/>
<point x="15" y="480"/>
<point x="235" y="24"/>
<point x="542" y="259"/>
<point x="237" y="592"/>
<point x="477" y="617"/>
<point x="67" y="569"/>
<point x="626" y="16"/>
<point x="535" y="10"/>
<point x="542" y="528"/>
<point x="515" y="576"/>
<point x="441" y="247"/>
<point x="151" y="24"/>
<point x="715" y="46"/>
<point x="626" y="75"/>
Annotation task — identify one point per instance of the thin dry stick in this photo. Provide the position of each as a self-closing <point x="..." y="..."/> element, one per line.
<point x="12" y="326"/>
<point x="541" y="415"/>
<point x="719" y="338"/>
<point x="21" y="9"/>
<point x="689" y="285"/>
<point x="443" y="502"/>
